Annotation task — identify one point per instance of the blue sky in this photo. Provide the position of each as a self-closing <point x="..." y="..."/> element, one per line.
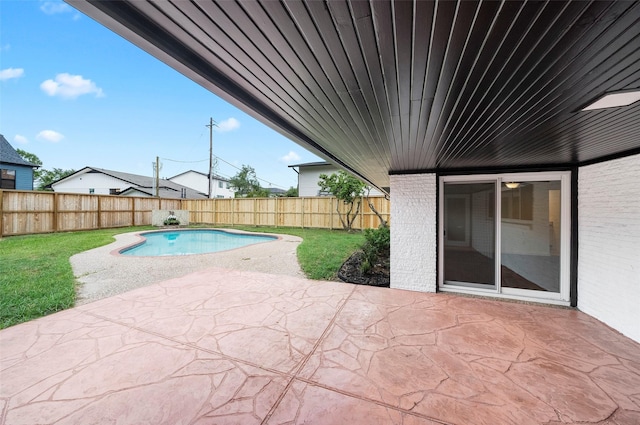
<point x="76" y="94"/>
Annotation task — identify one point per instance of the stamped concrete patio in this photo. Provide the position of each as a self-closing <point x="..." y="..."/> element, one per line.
<point x="220" y="346"/>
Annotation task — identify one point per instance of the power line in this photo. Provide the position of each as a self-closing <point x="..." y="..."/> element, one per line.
<point x="184" y="162"/>
<point x="228" y="163"/>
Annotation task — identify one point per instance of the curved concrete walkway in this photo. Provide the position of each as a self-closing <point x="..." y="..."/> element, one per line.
<point x="102" y="272"/>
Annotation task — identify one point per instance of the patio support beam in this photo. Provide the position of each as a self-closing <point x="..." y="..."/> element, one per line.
<point x="573" y="260"/>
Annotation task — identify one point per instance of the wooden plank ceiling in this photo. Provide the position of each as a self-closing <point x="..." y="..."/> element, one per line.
<point x="383" y="87"/>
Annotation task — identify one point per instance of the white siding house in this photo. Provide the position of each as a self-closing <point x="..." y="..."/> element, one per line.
<point x="309" y="176"/>
<point x="100" y="181"/>
<point x="200" y="182"/>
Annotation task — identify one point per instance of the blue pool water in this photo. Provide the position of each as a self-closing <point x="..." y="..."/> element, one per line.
<point x="185" y="242"/>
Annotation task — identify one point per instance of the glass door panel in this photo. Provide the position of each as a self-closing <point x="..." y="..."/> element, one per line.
<point x="530" y="235"/>
<point x="469" y="234"/>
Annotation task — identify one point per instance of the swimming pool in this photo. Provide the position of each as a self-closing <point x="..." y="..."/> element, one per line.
<point x="186" y="242"/>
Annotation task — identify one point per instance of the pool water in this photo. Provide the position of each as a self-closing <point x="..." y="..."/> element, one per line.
<point x="186" y="242"/>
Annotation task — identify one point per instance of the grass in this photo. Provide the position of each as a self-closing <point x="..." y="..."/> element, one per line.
<point x="36" y="277"/>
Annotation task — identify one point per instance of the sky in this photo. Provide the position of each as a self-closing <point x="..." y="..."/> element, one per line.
<point x="76" y="94"/>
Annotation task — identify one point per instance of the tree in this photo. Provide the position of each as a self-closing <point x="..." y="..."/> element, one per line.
<point x="43" y="177"/>
<point x="347" y="189"/>
<point x="292" y="192"/>
<point x="383" y="222"/>
<point x="246" y="185"/>
<point x="49" y="176"/>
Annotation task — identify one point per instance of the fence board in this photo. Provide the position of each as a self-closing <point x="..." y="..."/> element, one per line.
<point x="28" y="212"/>
<point x="316" y="212"/>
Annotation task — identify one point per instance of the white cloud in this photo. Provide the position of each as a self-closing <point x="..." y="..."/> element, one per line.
<point x="229" y="124"/>
<point x="55" y="7"/>
<point x="9" y="73"/>
<point x="70" y="86"/>
<point x="19" y="138"/>
<point x="49" y="136"/>
<point x="290" y="157"/>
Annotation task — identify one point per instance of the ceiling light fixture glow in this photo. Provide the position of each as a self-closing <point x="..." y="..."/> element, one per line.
<point x="614" y="100"/>
<point x="512" y="185"/>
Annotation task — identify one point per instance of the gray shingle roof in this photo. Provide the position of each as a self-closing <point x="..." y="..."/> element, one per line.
<point x="8" y="155"/>
<point x="215" y="176"/>
<point x="167" y="188"/>
<point x="146" y="184"/>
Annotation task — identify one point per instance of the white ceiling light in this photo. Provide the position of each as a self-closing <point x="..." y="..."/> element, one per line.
<point x="614" y="100"/>
<point x="512" y="185"/>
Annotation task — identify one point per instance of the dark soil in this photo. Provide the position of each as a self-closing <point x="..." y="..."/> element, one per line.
<point x="351" y="271"/>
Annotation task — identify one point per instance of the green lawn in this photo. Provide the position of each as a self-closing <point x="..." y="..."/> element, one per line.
<point x="36" y="278"/>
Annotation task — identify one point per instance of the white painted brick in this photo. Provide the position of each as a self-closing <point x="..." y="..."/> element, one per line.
<point x="413" y="232"/>
<point x="609" y="243"/>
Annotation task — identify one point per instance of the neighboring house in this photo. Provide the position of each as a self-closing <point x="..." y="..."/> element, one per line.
<point x="108" y="182"/>
<point x="200" y="182"/>
<point x="309" y="176"/>
<point x="15" y="172"/>
<point x="506" y="133"/>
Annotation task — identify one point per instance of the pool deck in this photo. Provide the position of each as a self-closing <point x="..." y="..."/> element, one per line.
<point x="222" y="346"/>
<point x="102" y="272"/>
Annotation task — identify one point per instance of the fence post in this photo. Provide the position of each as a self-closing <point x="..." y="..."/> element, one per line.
<point x="133" y="211"/>
<point x="255" y="212"/>
<point x="331" y="213"/>
<point x="55" y="212"/>
<point x="233" y="204"/>
<point x="1" y="212"/>
<point x="99" y="211"/>
<point x="361" y="213"/>
<point x="302" y="221"/>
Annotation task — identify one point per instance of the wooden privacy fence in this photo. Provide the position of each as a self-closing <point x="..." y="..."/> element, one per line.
<point x="316" y="212"/>
<point x="30" y="212"/>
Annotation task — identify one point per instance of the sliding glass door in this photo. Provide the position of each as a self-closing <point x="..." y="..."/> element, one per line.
<point x="469" y="234"/>
<point x="506" y="235"/>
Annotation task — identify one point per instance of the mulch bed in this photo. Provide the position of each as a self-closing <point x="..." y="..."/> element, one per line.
<point x="351" y="272"/>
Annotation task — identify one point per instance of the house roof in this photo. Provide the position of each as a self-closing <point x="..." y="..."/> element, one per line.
<point x="392" y="87"/>
<point x="8" y="154"/>
<point x="310" y="164"/>
<point x="145" y="184"/>
<point x="215" y="176"/>
<point x="276" y="190"/>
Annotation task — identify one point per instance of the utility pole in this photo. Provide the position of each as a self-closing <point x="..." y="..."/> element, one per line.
<point x="157" y="176"/>
<point x="211" y="125"/>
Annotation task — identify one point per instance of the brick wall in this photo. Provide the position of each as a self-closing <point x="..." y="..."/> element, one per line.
<point x="413" y="232"/>
<point x="609" y="243"/>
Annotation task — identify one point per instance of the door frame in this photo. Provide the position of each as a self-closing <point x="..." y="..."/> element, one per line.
<point x="563" y="296"/>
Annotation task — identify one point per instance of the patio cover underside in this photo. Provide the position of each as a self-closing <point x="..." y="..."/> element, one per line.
<point x="397" y="87"/>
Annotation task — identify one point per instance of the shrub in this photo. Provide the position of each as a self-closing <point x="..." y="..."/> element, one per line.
<point x="377" y="244"/>
<point x="172" y="221"/>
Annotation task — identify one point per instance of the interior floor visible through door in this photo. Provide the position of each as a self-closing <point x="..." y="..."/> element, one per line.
<point x="462" y="264"/>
